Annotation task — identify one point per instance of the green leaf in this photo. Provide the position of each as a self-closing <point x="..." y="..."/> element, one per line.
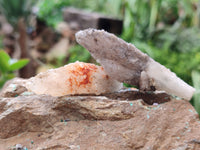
<point x="2" y="83"/>
<point x="5" y="77"/>
<point x="4" y="61"/>
<point x="18" y="65"/>
<point x="9" y="76"/>
<point x="196" y="83"/>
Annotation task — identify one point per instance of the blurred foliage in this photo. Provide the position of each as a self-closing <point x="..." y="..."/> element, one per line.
<point x="13" y="10"/>
<point x="78" y="53"/>
<point x="51" y="11"/>
<point x="196" y="83"/>
<point x="8" y="66"/>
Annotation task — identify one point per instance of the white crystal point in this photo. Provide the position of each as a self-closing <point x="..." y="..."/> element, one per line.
<point x="124" y="62"/>
<point x="74" y="78"/>
<point x="163" y="79"/>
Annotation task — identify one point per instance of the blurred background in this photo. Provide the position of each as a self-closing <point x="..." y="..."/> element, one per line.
<point x="39" y="34"/>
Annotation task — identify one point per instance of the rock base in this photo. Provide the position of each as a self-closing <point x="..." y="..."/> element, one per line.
<point x="41" y="122"/>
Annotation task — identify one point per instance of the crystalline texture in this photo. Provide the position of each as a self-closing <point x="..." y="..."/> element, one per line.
<point x="74" y="78"/>
<point x="125" y="63"/>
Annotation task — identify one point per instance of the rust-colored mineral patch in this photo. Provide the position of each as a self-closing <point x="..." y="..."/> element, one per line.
<point x="81" y="74"/>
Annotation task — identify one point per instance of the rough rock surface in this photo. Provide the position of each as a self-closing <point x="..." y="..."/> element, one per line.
<point x="42" y="122"/>
<point x="124" y="62"/>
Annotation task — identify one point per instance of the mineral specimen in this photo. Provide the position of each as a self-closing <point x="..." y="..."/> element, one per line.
<point x="74" y="78"/>
<point x="124" y="62"/>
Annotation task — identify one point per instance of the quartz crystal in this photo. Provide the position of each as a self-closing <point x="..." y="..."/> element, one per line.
<point x="74" y="78"/>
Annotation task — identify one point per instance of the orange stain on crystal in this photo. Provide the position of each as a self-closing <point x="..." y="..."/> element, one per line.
<point x="81" y="74"/>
